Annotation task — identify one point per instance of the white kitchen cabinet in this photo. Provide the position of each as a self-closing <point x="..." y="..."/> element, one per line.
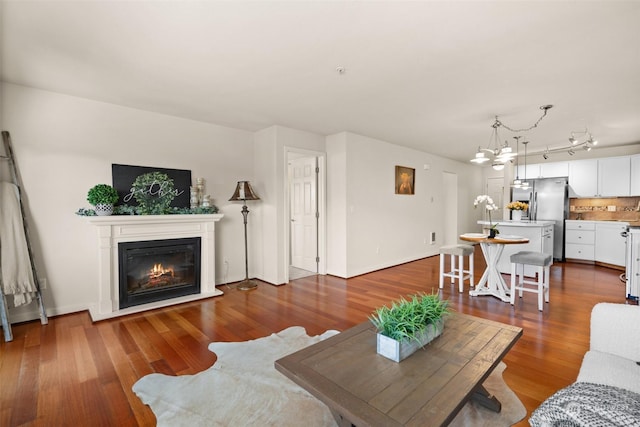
<point x="610" y="246"/>
<point x="583" y="178"/>
<point x="554" y="169"/>
<point x="614" y="176"/>
<point x="635" y="175"/>
<point x="544" y="170"/>
<point x="580" y="240"/>
<point x="598" y="241"/>
<point x="532" y="171"/>
<point x="606" y="177"/>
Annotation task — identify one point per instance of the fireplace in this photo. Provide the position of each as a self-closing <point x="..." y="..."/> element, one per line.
<point x="156" y="270"/>
<point x="112" y="231"/>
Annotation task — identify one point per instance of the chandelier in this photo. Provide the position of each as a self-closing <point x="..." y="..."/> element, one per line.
<point x="498" y="153"/>
<point x="501" y="153"/>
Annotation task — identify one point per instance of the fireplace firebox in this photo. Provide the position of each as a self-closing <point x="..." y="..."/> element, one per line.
<point x="156" y="270"/>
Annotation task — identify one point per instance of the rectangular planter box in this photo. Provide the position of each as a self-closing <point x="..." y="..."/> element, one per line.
<point x="399" y="350"/>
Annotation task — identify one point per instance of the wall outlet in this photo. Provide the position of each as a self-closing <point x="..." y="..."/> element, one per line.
<point x="377" y="249"/>
<point x="43" y="283"/>
<point x="611" y="208"/>
<point x="433" y="237"/>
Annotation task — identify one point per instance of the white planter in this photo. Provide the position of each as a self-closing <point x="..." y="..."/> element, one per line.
<point x="516" y="215"/>
<point x="399" y="350"/>
<point x="103" y="209"/>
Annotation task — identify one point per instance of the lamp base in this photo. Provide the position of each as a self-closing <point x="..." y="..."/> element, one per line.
<point x="247" y="285"/>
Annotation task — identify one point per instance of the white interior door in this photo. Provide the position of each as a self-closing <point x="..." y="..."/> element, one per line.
<point x="450" y="184"/>
<point x="495" y="190"/>
<point x="304" y="208"/>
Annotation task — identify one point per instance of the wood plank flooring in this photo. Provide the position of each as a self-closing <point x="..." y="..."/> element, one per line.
<point x="73" y="372"/>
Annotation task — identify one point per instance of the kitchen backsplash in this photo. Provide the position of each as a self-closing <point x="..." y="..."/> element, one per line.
<point x="613" y="209"/>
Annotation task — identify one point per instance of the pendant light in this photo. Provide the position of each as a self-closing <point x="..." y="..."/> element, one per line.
<point x="517" y="183"/>
<point x="525" y="183"/>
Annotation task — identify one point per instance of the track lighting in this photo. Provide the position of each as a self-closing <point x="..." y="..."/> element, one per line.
<point x="577" y="139"/>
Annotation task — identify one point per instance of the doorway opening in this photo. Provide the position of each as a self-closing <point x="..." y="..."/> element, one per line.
<point x="305" y="214"/>
<point x="450" y="202"/>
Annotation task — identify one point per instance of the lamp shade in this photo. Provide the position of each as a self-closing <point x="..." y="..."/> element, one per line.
<point x="244" y="192"/>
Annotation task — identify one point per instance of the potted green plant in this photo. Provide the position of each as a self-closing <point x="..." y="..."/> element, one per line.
<point x="489" y="206"/>
<point x="409" y="324"/>
<point x="102" y="197"/>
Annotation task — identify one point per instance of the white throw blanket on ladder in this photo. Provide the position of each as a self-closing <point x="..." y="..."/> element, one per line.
<point x="16" y="275"/>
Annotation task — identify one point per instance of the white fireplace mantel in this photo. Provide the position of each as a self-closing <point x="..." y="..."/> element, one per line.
<point x="131" y="228"/>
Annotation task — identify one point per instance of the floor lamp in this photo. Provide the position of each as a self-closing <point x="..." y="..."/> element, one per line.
<point x="244" y="192"/>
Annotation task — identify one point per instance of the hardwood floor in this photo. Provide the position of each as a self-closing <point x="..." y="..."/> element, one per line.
<point x="75" y="372"/>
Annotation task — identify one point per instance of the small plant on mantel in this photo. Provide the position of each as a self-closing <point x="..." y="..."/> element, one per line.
<point x="102" y="197"/>
<point x="410" y="322"/>
<point x="102" y="194"/>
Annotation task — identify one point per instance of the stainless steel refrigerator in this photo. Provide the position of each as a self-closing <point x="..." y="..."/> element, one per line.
<point x="548" y="200"/>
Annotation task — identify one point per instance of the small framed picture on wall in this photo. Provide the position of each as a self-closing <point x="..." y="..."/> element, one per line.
<point x="405" y="180"/>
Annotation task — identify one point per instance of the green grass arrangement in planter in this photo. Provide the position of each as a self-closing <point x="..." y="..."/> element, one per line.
<point x="409" y="324"/>
<point x="102" y="197"/>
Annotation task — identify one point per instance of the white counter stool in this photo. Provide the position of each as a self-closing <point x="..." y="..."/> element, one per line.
<point x="457" y="272"/>
<point x="541" y="286"/>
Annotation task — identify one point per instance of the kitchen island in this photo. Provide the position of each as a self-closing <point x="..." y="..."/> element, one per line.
<point x="539" y="233"/>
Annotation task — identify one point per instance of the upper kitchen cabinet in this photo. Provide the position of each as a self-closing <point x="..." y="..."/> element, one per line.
<point x="554" y="169"/>
<point x="583" y="178"/>
<point x="532" y="171"/>
<point x="635" y="175"/>
<point x="544" y="170"/>
<point x="614" y="176"/>
<point x="606" y="177"/>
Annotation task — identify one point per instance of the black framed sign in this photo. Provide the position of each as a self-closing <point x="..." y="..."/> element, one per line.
<point x="124" y="175"/>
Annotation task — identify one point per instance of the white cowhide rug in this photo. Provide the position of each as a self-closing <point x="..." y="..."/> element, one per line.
<point x="243" y="388"/>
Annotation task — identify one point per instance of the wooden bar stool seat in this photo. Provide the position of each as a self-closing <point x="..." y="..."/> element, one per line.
<point x="542" y="262"/>
<point x="457" y="271"/>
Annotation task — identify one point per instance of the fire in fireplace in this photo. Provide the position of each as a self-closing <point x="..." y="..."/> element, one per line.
<point x="156" y="270"/>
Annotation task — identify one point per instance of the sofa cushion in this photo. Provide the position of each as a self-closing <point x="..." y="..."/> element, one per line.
<point x="614" y="329"/>
<point x="606" y="368"/>
<point x="588" y="405"/>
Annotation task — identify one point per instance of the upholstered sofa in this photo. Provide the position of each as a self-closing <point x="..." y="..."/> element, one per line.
<point x="607" y="390"/>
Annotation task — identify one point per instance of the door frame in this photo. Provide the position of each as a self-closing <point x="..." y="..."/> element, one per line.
<point x="290" y="152"/>
<point x="450" y="226"/>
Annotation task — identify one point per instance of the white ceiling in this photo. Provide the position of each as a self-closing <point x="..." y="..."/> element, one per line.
<point x="429" y="75"/>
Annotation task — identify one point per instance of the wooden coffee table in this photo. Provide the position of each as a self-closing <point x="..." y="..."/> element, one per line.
<point x="430" y="387"/>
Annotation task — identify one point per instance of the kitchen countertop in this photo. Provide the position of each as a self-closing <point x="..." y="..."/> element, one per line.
<point x="628" y="221"/>
<point x="518" y="223"/>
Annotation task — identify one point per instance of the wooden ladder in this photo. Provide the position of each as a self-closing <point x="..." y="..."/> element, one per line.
<point x="15" y="176"/>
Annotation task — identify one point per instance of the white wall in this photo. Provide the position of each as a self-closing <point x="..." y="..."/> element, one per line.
<point x="337" y="205"/>
<point x="64" y="145"/>
<point x="271" y="173"/>
<point x="382" y="228"/>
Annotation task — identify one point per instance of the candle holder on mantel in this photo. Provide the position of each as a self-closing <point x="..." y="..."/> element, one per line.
<point x="244" y="192"/>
